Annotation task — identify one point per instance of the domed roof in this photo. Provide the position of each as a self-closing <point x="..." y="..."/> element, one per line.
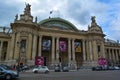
<point x="58" y="23"/>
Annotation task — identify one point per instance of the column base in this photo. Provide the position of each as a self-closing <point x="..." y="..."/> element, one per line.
<point x="72" y="65"/>
<point x="30" y="62"/>
<point x="89" y="64"/>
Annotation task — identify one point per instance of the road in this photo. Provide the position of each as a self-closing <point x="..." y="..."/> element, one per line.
<point x="73" y="75"/>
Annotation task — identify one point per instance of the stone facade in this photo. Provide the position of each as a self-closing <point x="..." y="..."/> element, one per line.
<point x="28" y="39"/>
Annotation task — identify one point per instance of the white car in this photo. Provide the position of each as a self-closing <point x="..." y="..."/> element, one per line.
<point x="41" y="69"/>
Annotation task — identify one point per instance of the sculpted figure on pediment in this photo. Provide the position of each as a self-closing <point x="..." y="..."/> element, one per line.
<point x="27" y="9"/>
<point x="93" y="19"/>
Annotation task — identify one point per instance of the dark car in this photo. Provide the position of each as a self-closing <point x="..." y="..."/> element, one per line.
<point x="97" y="68"/>
<point x="8" y="74"/>
<point x="5" y="66"/>
<point x="65" y="69"/>
<point x="57" y="69"/>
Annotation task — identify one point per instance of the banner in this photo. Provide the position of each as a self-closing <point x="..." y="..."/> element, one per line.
<point x="46" y="45"/>
<point x="77" y="47"/>
<point x="62" y="46"/>
<point x="102" y="61"/>
<point x="39" y="60"/>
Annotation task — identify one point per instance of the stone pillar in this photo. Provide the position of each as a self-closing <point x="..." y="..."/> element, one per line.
<point x="69" y="51"/>
<point x="57" y="50"/>
<point x="1" y="46"/>
<point x="84" y="53"/>
<point x="113" y="54"/>
<point x="110" y="59"/>
<point x="90" y="50"/>
<point x="87" y="51"/>
<point x="8" y="51"/>
<point x="12" y="47"/>
<point x="117" y="56"/>
<point x="73" y="54"/>
<point x="29" y="54"/>
<point x="34" y="48"/>
<point x="103" y="50"/>
<point x="40" y="46"/>
<point x="95" y="51"/>
<point x="17" y="46"/>
<point x="53" y="50"/>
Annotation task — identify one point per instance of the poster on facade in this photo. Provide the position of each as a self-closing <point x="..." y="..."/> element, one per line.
<point x="39" y="60"/>
<point x="46" y="45"/>
<point x="77" y="47"/>
<point x="102" y="61"/>
<point x="62" y="46"/>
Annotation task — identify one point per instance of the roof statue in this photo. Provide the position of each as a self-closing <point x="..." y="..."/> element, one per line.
<point x="27" y="9"/>
<point x="35" y="19"/>
<point x="93" y="23"/>
<point x="94" y="27"/>
<point x="93" y="19"/>
<point x="16" y="18"/>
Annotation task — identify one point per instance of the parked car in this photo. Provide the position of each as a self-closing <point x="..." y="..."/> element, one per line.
<point x="116" y="68"/>
<point x="57" y="69"/>
<point x="97" y="68"/>
<point x="65" y="69"/>
<point x="5" y="66"/>
<point x="41" y="69"/>
<point x="8" y="74"/>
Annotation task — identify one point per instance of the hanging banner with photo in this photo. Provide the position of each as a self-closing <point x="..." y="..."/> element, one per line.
<point x="62" y="46"/>
<point x="77" y="47"/>
<point x="102" y="61"/>
<point x="39" y="60"/>
<point x="46" y="45"/>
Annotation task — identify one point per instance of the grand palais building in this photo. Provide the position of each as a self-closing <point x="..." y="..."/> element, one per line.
<point x="57" y="40"/>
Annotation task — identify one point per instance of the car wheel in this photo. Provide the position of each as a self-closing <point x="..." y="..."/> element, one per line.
<point x="46" y="72"/>
<point x="8" y="77"/>
<point x="35" y="71"/>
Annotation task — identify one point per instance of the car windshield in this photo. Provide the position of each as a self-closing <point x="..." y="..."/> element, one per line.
<point x="5" y="67"/>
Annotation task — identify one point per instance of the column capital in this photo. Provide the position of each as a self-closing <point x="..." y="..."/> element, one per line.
<point x="40" y="35"/>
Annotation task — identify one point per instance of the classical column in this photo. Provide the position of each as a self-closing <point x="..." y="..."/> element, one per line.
<point x="87" y="51"/>
<point x="40" y="45"/>
<point x="84" y="54"/>
<point x="12" y="46"/>
<point x="29" y="47"/>
<point x="57" y="50"/>
<point x="90" y="50"/>
<point x="95" y="51"/>
<point x="1" y="46"/>
<point x="73" y="52"/>
<point x="103" y="50"/>
<point x="69" y="50"/>
<point x="34" y="48"/>
<point x="17" y="48"/>
<point x="8" y="50"/>
<point x="113" y="54"/>
<point x="53" y="50"/>
<point x="117" y="56"/>
<point x="110" y="54"/>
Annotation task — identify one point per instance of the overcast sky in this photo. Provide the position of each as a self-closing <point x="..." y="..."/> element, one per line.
<point x="78" y="12"/>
